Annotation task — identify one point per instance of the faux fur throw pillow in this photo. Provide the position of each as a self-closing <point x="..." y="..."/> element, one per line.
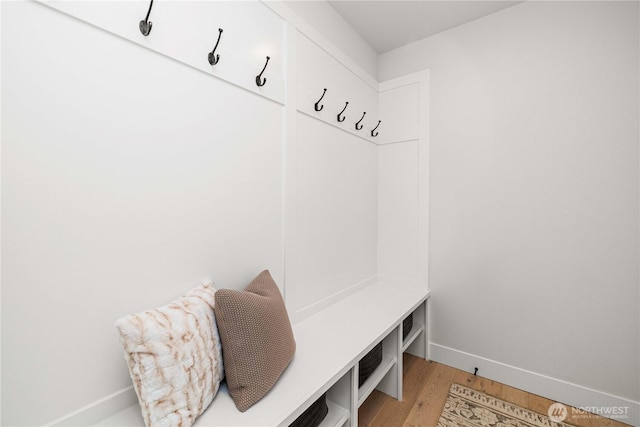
<point x="174" y="358"/>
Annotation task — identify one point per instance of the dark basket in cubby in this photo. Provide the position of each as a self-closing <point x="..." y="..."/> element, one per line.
<point x="314" y="414"/>
<point x="369" y="363"/>
<point x="407" y="324"/>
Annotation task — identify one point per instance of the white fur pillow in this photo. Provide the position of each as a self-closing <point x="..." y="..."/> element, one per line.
<point x="174" y="357"/>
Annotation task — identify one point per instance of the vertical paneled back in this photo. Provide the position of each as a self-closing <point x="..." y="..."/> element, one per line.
<point x="337" y="189"/>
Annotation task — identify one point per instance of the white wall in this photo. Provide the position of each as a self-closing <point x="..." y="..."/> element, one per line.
<point x="330" y="24"/>
<point x="398" y="210"/>
<point x="337" y="212"/>
<point x="533" y="233"/>
<point x="127" y="178"/>
<point x="336" y="190"/>
<point x="132" y="170"/>
<point x="403" y="161"/>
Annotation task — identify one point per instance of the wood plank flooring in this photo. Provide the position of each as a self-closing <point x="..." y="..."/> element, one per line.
<point x="426" y="386"/>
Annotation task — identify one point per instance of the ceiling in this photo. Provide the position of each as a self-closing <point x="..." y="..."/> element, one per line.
<point x="388" y="24"/>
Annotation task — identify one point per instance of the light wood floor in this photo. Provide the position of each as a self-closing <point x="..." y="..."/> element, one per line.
<point x="426" y="386"/>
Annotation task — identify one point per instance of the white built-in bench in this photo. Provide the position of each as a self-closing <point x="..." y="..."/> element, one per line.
<point x="329" y="345"/>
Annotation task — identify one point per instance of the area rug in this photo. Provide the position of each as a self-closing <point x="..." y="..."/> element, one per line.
<point x="470" y="408"/>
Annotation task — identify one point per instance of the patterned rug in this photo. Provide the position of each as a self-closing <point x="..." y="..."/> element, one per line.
<point x="469" y="408"/>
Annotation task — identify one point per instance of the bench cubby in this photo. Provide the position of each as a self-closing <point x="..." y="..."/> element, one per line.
<point x="416" y="341"/>
<point x="385" y="376"/>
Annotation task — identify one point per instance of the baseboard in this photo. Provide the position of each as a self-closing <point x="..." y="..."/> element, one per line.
<point x="311" y="309"/>
<point x="604" y="404"/>
<point x="98" y="410"/>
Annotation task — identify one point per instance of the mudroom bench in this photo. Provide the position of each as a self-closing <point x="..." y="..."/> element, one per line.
<point x="330" y="344"/>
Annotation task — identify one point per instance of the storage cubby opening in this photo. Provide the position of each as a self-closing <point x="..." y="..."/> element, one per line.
<point x="339" y="397"/>
<point x="384" y="376"/>
<point x="337" y="416"/>
<point x="414" y="341"/>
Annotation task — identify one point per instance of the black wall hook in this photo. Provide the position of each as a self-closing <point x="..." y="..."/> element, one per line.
<point x="340" y="113"/>
<point x="361" y="118"/>
<point x="145" y="24"/>
<point x="373" y="130"/>
<point x="259" y="80"/>
<point x="213" y="58"/>
<point x="321" y="106"/>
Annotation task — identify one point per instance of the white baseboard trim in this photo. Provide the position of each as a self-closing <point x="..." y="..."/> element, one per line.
<point x="605" y="404"/>
<point x="98" y="410"/>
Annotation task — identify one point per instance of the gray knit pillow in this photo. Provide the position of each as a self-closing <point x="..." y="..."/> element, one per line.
<point x="257" y="340"/>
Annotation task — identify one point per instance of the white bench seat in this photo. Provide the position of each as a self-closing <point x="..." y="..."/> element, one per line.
<point x="329" y="345"/>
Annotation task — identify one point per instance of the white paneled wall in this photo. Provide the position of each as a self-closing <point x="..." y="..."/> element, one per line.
<point x="318" y="70"/>
<point x="322" y="21"/>
<point x="398" y="210"/>
<point x="187" y="30"/>
<point x="337" y="212"/>
<point x="336" y="176"/>
<point x="132" y="169"/>
<point x="400" y="107"/>
<point x="403" y="179"/>
<point x="127" y="178"/>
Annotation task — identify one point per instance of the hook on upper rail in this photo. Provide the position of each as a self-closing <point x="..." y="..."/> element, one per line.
<point x="145" y="24"/>
<point x="361" y="118"/>
<point x="318" y="103"/>
<point x="259" y="80"/>
<point x="341" y="119"/>
<point x="213" y="57"/>
<point x="374" y="129"/>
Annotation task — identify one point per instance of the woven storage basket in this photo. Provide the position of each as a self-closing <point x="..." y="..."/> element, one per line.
<point x="407" y="324"/>
<point x="314" y="414"/>
<point x="369" y="363"/>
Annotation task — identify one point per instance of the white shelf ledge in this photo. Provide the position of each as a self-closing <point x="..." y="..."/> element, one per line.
<point x="370" y="384"/>
<point x="336" y="417"/>
<point x="411" y="337"/>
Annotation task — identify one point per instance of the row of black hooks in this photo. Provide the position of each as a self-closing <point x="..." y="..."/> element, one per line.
<point x="145" y="28"/>
<point x="341" y="117"/>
